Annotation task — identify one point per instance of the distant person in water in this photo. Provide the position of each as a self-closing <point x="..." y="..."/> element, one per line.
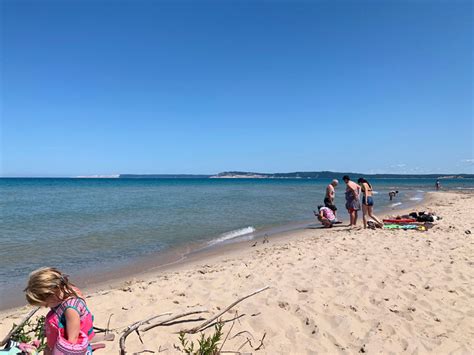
<point x="437" y="185"/>
<point x="330" y="195"/>
<point x="326" y="216"/>
<point x="392" y="194"/>
<point x="368" y="202"/>
<point x="352" y="199"/>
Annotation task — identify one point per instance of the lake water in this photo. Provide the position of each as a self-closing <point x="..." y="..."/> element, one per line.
<point x="82" y="225"/>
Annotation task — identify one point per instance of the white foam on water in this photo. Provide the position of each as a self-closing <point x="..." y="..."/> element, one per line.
<point x="236" y="233"/>
<point x="465" y="188"/>
<point x="375" y="192"/>
<point x="416" y="198"/>
<point x="420" y="191"/>
<point x="395" y="204"/>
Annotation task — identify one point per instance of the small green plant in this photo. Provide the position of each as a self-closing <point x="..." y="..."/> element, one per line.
<point x="31" y="330"/>
<point x="206" y="345"/>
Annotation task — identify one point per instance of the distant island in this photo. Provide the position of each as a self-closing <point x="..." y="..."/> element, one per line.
<point x="294" y="175"/>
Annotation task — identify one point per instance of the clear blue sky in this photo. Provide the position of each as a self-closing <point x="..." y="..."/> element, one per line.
<point x="104" y="87"/>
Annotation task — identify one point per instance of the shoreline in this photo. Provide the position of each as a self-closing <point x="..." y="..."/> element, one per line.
<point x="190" y="253"/>
<point x="92" y="280"/>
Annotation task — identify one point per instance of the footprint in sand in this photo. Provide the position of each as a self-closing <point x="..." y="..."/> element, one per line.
<point x="404" y="344"/>
<point x="310" y="326"/>
<point x="284" y="305"/>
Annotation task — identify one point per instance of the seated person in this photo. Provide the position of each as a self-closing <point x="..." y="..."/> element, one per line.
<point x="326" y="216"/>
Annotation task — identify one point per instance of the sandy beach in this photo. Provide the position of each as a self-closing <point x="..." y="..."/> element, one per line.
<point x="331" y="291"/>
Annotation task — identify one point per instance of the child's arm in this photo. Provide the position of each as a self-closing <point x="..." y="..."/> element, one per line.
<point x="73" y="325"/>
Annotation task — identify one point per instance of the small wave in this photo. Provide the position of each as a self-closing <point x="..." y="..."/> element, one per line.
<point x="395" y="204"/>
<point x="416" y="198"/>
<point x="465" y="188"/>
<point x="420" y="191"/>
<point x="375" y="192"/>
<point x="233" y="234"/>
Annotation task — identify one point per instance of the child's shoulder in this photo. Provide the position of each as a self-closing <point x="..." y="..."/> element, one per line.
<point x="75" y="303"/>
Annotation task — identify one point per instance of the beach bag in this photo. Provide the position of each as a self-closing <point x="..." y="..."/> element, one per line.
<point x="64" y="347"/>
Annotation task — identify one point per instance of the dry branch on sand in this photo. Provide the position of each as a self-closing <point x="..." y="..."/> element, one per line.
<point x="209" y="321"/>
<point x="23" y="321"/>
<point x="135" y="326"/>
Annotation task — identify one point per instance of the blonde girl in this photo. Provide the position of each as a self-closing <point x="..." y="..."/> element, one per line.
<point x="69" y="323"/>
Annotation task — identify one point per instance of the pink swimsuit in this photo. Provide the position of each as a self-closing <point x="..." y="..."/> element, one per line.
<point x="56" y="322"/>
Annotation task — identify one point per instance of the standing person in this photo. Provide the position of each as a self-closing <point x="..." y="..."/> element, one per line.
<point x="330" y="195"/>
<point x="367" y="202"/>
<point x="437" y="185"/>
<point x="68" y="325"/>
<point x="352" y="199"/>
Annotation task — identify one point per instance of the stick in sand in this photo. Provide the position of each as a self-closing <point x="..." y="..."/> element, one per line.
<point x="209" y="321"/>
<point x="24" y="320"/>
<point x="134" y="327"/>
<point x="172" y="318"/>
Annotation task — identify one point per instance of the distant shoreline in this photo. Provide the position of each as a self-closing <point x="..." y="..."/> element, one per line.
<point x="314" y="175"/>
<point x="295" y="175"/>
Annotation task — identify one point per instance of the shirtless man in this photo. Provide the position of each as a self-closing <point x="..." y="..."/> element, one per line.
<point x="330" y="194"/>
<point x="352" y="199"/>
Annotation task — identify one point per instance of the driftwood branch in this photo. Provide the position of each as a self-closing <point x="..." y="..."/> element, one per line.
<point x="23" y="321"/>
<point x="172" y="318"/>
<point x="199" y="327"/>
<point x="261" y="342"/>
<point x="241" y="333"/>
<point x="227" y="335"/>
<point x="104" y="330"/>
<point x="130" y="329"/>
<point x="222" y="321"/>
<point x="134" y="327"/>
<point x="245" y="343"/>
<point x="108" y="324"/>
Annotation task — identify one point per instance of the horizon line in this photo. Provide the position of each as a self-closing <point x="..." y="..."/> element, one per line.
<point x="117" y="176"/>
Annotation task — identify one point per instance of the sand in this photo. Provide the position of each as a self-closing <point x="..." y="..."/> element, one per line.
<point x="331" y="291"/>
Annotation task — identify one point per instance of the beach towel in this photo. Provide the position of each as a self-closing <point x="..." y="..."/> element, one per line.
<point x="406" y="227"/>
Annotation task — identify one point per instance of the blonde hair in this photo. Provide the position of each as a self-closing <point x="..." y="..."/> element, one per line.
<point x="46" y="282"/>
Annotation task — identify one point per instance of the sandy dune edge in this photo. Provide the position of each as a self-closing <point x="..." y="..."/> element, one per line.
<point x="332" y="291"/>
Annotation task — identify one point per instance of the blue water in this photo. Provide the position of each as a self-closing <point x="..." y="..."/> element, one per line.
<point x="84" y="224"/>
